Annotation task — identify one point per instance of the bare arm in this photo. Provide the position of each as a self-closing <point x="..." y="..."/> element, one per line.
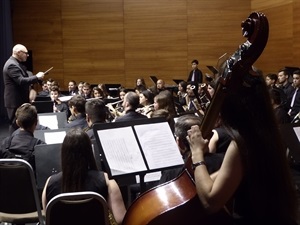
<point x="212" y="145"/>
<point x="215" y="193"/>
<point x="115" y="200"/>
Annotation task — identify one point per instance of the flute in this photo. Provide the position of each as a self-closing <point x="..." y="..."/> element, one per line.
<point x="114" y="103"/>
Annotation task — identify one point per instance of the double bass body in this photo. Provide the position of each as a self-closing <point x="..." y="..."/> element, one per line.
<point x="174" y="202"/>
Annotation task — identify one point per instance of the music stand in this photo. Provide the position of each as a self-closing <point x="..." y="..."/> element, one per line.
<point x="53" y="120"/>
<point x="43" y="106"/>
<point x="177" y="81"/>
<point x="213" y="69"/>
<point x="40" y="98"/>
<point x="132" y="148"/>
<point x="291" y="136"/>
<point x="154" y="79"/>
<point x="51" y="136"/>
<point x="48" y="161"/>
<point x="113" y="89"/>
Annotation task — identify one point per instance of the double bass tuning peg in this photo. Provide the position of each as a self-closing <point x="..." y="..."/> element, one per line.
<point x="247" y="27"/>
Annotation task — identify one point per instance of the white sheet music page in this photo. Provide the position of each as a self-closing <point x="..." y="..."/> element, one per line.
<point x="49" y="121"/>
<point x="121" y="150"/>
<point x="158" y="145"/>
<point x="297" y="132"/>
<point x="54" y="137"/>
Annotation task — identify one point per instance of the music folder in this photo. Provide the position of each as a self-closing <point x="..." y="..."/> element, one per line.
<point x="137" y="147"/>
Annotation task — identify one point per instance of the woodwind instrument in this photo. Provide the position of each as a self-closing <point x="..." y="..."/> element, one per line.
<point x="115" y="111"/>
<point x="146" y="109"/>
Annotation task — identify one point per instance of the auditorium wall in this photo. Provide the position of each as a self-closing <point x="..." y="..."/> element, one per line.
<point x="117" y="41"/>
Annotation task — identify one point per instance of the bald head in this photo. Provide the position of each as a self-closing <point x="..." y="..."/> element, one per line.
<point x="20" y="52"/>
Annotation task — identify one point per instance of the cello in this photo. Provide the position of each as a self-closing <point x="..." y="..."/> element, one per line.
<point x="176" y="202"/>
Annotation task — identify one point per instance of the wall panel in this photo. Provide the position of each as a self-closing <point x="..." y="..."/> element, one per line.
<point x="116" y="41"/>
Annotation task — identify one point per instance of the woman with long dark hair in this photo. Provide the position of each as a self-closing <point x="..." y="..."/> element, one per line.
<point x="255" y="171"/>
<point x="80" y="173"/>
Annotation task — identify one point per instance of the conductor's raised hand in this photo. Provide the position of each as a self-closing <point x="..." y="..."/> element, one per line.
<point x="40" y="75"/>
<point x="197" y="143"/>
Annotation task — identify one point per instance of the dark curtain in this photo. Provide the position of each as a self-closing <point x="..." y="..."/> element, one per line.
<point x="6" y="45"/>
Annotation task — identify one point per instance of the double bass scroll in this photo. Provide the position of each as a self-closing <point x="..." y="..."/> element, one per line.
<point x="176" y="202"/>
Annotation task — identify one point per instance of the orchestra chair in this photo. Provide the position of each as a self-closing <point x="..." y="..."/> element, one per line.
<point x="19" y="200"/>
<point x="77" y="208"/>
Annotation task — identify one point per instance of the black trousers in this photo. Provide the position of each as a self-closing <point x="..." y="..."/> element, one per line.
<point x="11" y="114"/>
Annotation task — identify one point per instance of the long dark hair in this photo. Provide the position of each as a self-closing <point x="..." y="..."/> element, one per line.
<point x="77" y="159"/>
<point x="248" y="115"/>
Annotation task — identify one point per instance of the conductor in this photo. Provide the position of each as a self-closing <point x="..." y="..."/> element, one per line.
<point x="17" y="83"/>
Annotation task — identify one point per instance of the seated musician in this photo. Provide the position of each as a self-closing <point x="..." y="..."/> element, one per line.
<point x="58" y="106"/>
<point x="255" y="170"/>
<point x="97" y="93"/>
<point x="96" y="112"/>
<point x="146" y="101"/>
<point x="87" y="90"/>
<point x="164" y="100"/>
<point x="192" y="104"/>
<point x="77" y="109"/>
<point x="130" y="104"/>
<point x="181" y="94"/>
<point x="182" y="125"/>
<point x="87" y="177"/>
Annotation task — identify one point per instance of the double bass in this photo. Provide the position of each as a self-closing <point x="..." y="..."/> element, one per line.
<point x="176" y="202"/>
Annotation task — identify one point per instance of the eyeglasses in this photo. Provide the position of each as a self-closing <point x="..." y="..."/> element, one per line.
<point x="26" y="53"/>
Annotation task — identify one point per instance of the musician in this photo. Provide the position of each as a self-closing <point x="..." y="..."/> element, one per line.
<point x="97" y="93"/>
<point x="295" y="96"/>
<point x="255" y="167"/>
<point x="116" y="109"/>
<point x="182" y="125"/>
<point x="285" y="85"/>
<point x="195" y="74"/>
<point x="86" y="90"/>
<point x="164" y="100"/>
<point x="58" y="106"/>
<point x="77" y="109"/>
<point x="130" y="105"/>
<point x="146" y="101"/>
<point x="192" y="103"/>
<point x="72" y="87"/>
<point x="45" y="91"/>
<point x="80" y="173"/>
<point x="96" y="112"/>
<point x="280" y="113"/>
<point x="181" y="94"/>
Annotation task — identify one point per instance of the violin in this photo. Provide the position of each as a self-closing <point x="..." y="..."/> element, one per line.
<point x="176" y="202"/>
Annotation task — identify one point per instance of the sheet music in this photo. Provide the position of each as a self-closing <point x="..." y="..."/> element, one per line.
<point x="49" y="121"/>
<point x="55" y="137"/>
<point x="159" y="145"/>
<point x="121" y="150"/>
<point x="297" y="132"/>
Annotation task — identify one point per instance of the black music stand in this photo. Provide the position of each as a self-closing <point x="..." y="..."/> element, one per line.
<point x="48" y="161"/>
<point x="291" y="136"/>
<point x="43" y="106"/>
<point x="137" y="147"/>
<point x="58" y="119"/>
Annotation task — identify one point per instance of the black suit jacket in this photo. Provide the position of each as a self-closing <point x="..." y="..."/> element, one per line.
<point x="16" y="83"/>
<point x="130" y="115"/>
<point x="198" y="76"/>
<point x="296" y="106"/>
